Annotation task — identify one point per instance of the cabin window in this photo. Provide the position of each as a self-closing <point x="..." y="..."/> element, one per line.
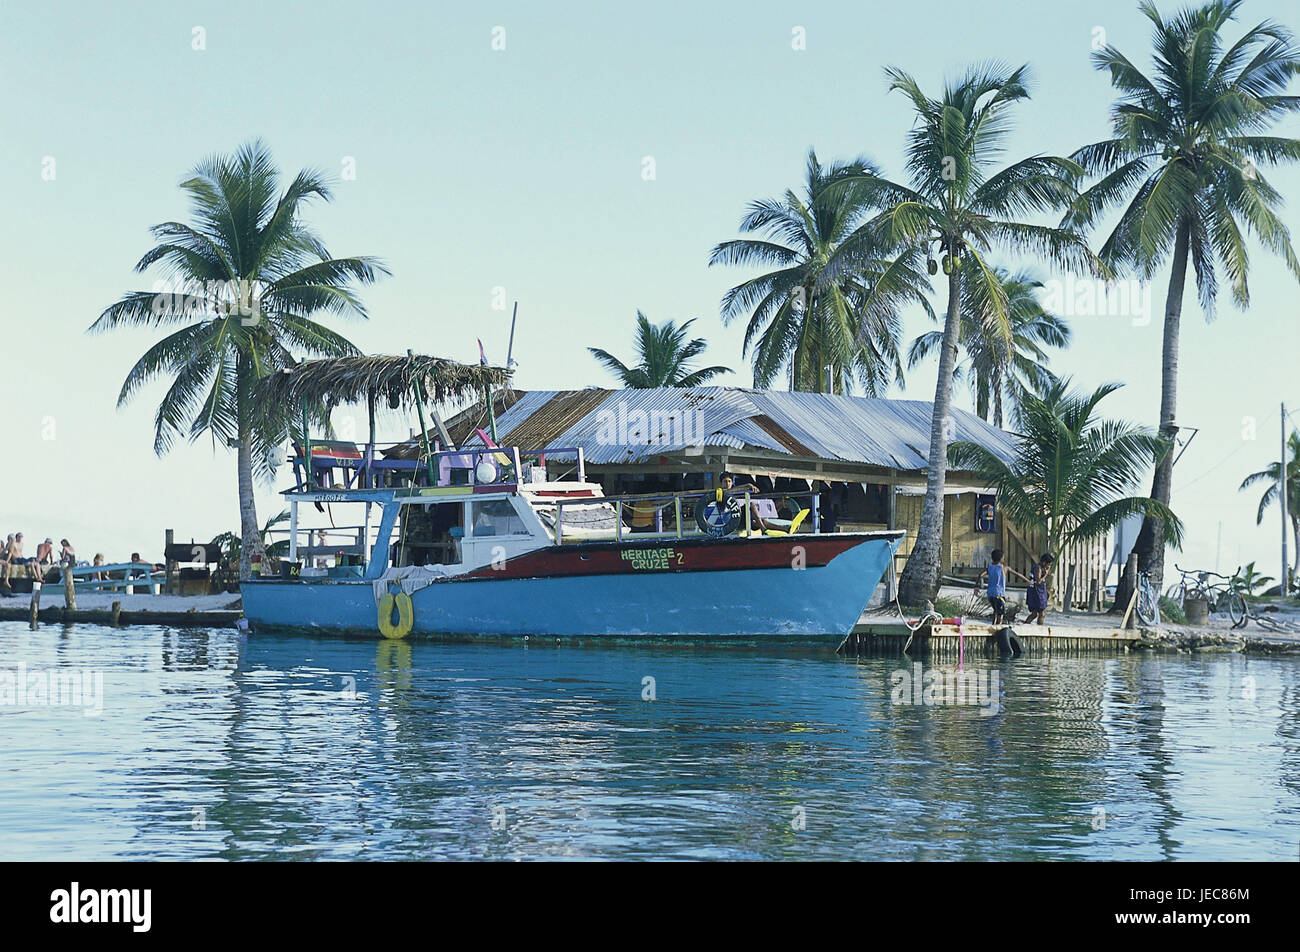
<point x="496" y="517"/>
<point x="430" y="535"/>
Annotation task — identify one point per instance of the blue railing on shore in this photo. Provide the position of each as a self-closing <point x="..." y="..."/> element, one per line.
<point x="139" y="574"/>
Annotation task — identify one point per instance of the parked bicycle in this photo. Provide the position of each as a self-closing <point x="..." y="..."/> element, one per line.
<point x="1147" y="605"/>
<point x="1268" y="623"/>
<point x="1226" y="596"/>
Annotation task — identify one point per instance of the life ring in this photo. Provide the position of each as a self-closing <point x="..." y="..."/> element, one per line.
<point x="405" y="615"/>
<point x="716" y="517"/>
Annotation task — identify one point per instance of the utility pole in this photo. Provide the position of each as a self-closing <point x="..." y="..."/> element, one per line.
<point x="1281" y="494"/>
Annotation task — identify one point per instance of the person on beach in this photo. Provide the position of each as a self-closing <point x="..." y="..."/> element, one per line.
<point x="997" y="590"/>
<point x="4" y="565"/>
<point x="13" y="556"/>
<point x="1036" y="594"/>
<point x="44" y="560"/>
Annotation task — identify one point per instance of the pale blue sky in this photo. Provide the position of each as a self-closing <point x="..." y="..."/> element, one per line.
<point x="522" y="169"/>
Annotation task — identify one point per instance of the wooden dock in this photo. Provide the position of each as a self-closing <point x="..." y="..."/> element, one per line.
<point x="978" y="639"/>
<point x="105" y="616"/>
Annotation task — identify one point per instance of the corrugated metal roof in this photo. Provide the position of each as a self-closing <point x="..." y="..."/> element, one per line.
<point x="524" y="426"/>
<point x="627" y="426"/>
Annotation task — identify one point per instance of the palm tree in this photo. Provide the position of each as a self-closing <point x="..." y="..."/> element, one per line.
<point x="1269" y="475"/>
<point x="1073" y="473"/>
<point x="958" y="201"/>
<point x="1184" y="158"/>
<point x="832" y="297"/>
<point x="664" y="356"/>
<point x="1251" y="579"/>
<point x="1001" y="367"/>
<point x="247" y="275"/>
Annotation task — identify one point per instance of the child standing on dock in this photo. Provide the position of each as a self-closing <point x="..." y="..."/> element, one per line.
<point x="997" y="590"/>
<point x="1036" y="595"/>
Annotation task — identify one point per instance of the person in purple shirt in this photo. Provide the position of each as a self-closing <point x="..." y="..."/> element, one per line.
<point x="1036" y="594"/>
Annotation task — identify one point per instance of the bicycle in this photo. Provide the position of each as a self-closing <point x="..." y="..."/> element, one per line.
<point x="1224" y="597"/>
<point x="1147" y="605"/>
<point x="1269" y="624"/>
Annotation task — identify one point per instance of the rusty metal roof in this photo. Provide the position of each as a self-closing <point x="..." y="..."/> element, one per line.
<point x="629" y="426"/>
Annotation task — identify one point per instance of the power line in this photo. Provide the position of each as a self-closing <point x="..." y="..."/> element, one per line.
<point x="1225" y="459"/>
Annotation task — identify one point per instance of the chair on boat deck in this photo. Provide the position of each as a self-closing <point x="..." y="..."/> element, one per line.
<point x="767" y="511"/>
<point x="645" y="516"/>
<point x="326" y="456"/>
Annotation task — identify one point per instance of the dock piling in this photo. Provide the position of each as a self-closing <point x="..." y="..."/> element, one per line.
<point x="117" y="613"/>
<point x="69" y="589"/>
<point x="36" y="604"/>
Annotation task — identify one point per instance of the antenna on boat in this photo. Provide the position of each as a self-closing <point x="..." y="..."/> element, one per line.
<point x="510" y="349"/>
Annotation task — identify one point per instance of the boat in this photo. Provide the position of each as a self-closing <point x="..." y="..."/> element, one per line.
<point x="489" y="540"/>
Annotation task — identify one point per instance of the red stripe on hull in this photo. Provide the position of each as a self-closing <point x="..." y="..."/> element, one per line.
<point x="660" y="556"/>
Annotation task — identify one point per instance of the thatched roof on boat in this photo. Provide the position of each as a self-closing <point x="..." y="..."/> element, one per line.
<point x="338" y="380"/>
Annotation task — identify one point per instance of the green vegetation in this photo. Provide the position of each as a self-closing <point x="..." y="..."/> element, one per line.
<point x="1170" y="610"/>
<point x="959" y="201"/>
<point x="1271" y="476"/>
<point x="1000" y="367"/>
<point x="1184" y="162"/>
<point x="247" y="275"/>
<point x="1072" y="472"/>
<point x="664" y="356"/>
<point x="836" y="289"/>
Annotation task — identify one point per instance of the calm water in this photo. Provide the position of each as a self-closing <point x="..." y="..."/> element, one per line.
<point x="215" y="745"/>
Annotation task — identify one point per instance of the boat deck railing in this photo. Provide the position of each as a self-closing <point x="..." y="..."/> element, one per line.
<point x="647" y="513"/>
<point x="341" y="466"/>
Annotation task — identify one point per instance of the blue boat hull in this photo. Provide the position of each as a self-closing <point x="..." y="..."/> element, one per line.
<point x="822" y="600"/>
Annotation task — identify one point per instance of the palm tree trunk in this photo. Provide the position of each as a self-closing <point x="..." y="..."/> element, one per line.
<point x="1150" y="545"/>
<point x="249" y="530"/>
<point x="1295" y="549"/>
<point x="997" y="397"/>
<point x="919" y="582"/>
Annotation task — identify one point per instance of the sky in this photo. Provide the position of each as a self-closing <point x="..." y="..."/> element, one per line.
<point x="500" y="153"/>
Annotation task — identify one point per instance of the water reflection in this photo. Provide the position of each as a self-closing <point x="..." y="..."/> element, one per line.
<point x="218" y="745"/>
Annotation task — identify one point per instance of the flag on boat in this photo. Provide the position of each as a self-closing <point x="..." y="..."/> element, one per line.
<point x="482" y="354"/>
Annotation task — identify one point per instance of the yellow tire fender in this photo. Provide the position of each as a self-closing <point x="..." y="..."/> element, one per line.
<point x="405" y="615"/>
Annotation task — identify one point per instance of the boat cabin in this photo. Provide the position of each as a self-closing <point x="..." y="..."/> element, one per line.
<point x="453" y="512"/>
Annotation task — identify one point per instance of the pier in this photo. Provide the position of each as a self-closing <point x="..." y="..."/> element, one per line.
<point x="895" y="637"/>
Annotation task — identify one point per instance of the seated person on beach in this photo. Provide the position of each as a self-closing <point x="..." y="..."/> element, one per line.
<point x="44" y="557"/>
<point x="1036" y="594"/>
<point x="729" y="485"/>
<point x="997" y="590"/>
<point x="14" y="556"/>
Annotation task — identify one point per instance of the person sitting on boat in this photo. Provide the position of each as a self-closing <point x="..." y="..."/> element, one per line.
<point x="729" y="486"/>
<point x="67" y="554"/>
